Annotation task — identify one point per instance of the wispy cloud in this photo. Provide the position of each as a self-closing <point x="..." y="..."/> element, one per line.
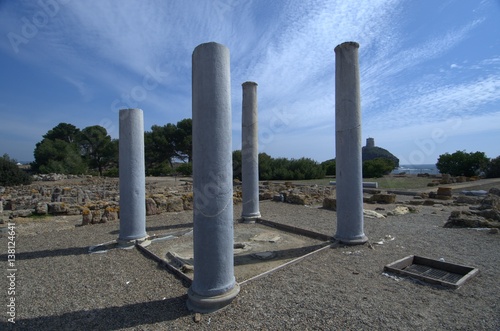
<point x="106" y="49"/>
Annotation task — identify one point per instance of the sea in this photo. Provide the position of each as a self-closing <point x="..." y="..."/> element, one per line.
<point x="415" y="169"/>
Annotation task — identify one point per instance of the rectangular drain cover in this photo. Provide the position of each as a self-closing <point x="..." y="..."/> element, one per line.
<point x="433" y="271"/>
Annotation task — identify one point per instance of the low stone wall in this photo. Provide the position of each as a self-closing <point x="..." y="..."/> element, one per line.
<point x="97" y="199"/>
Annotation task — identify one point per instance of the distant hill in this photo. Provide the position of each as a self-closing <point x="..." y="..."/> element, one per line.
<point x="370" y="152"/>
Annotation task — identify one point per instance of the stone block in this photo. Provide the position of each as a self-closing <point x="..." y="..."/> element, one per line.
<point x="111" y="213"/>
<point x="444" y="191"/>
<point x="278" y="198"/>
<point x="10" y="205"/>
<point x="330" y="203"/>
<point x="495" y="191"/>
<point x="491" y="202"/>
<point x="383" y="198"/>
<point x="467" y="200"/>
<point x="68" y="199"/>
<point x="175" y="204"/>
<point x="56" y="193"/>
<point x="266" y="195"/>
<point x="187" y="201"/>
<point x="41" y="208"/>
<point x="86" y="216"/>
<point x="151" y="207"/>
<point x="297" y="199"/>
<point x="57" y="208"/>
<point x="96" y="216"/>
<point x="466" y="220"/>
<point x="22" y="213"/>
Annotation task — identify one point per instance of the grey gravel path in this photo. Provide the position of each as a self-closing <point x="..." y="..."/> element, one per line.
<point x="59" y="286"/>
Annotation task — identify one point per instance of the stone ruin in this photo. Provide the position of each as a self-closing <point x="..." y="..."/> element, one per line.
<point x="214" y="285"/>
<point x="97" y="199"/>
<point x="484" y="212"/>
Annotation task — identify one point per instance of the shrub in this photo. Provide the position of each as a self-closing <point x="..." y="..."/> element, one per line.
<point x="494" y="168"/>
<point x="112" y="172"/>
<point x="461" y="163"/>
<point x="11" y="175"/>
<point x="161" y="169"/>
<point x="185" y="169"/>
<point x="377" y="167"/>
<point x="237" y="164"/>
<point x="330" y="167"/>
<point x="281" y="168"/>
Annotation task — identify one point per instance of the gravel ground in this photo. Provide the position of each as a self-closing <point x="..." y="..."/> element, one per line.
<point x="59" y="286"/>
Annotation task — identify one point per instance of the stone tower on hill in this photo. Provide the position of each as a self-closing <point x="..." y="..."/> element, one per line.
<point x="370" y="152"/>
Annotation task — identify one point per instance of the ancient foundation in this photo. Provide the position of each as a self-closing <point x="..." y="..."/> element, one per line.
<point x="250" y="154"/>
<point x="214" y="285"/>
<point x="348" y="145"/>
<point x="132" y="178"/>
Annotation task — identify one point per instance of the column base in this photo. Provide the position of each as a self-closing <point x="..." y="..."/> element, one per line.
<point x="352" y="241"/>
<point x="250" y="218"/>
<point x="205" y="305"/>
<point x="130" y="243"/>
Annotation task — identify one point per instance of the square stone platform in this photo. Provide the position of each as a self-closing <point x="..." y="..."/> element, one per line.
<point x="259" y="248"/>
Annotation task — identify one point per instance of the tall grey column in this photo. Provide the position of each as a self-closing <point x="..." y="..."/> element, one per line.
<point x="250" y="154"/>
<point x="132" y="177"/>
<point x="348" y="145"/>
<point x="214" y="285"/>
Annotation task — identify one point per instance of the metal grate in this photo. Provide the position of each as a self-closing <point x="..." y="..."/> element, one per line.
<point x="433" y="273"/>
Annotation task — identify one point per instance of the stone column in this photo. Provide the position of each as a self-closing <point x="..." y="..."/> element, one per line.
<point x="348" y="145"/>
<point x="214" y="285"/>
<point x="132" y="178"/>
<point x="250" y="154"/>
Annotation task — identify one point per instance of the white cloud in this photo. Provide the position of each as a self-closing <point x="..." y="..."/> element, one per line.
<point x="104" y="50"/>
<point x="436" y="103"/>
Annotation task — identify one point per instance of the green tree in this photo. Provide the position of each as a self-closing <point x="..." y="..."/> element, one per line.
<point x="377" y="167"/>
<point x="97" y="147"/>
<point x="265" y="166"/>
<point x="494" y="168"/>
<point x="185" y="169"/>
<point x="286" y="169"/>
<point x="183" y="140"/>
<point x="166" y="144"/>
<point x="58" y="156"/>
<point x="58" y="151"/>
<point x="305" y="168"/>
<point x="63" y="131"/>
<point x="159" y="149"/>
<point x="330" y="167"/>
<point x="10" y="174"/>
<point x="461" y="163"/>
<point x="237" y="164"/>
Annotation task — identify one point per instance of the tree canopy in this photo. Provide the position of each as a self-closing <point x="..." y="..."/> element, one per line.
<point x="494" y="168"/>
<point x="461" y="163"/>
<point x="164" y="145"/>
<point x="10" y="174"/>
<point x="377" y="167"/>
<point x="281" y="168"/>
<point x="69" y="150"/>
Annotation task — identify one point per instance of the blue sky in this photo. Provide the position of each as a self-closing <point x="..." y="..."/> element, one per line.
<point x="430" y="70"/>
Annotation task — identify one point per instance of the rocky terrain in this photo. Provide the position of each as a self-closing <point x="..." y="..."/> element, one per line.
<point x="96" y="199"/>
<point x="61" y="286"/>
